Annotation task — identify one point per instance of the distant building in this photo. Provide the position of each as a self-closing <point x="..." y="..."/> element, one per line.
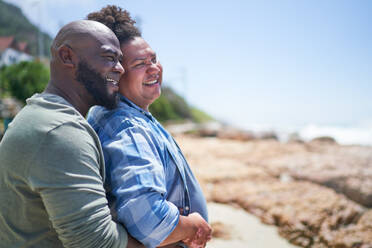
<point x="12" y="52"/>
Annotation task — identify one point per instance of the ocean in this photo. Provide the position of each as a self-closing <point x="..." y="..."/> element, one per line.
<point x="344" y="135"/>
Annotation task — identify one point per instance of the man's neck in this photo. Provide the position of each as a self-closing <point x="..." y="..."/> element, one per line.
<point x="73" y="97"/>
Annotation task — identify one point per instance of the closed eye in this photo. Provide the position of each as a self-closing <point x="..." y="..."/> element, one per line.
<point x="140" y="64"/>
<point x="110" y="58"/>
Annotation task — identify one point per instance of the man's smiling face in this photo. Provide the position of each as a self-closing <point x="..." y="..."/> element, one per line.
<point x="100" y="72"/>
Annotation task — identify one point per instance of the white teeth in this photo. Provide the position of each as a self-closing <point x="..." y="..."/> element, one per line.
<point x="111" y="81"/>
<point x="151" y="82"/>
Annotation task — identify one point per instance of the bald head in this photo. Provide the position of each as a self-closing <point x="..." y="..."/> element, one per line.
<point x="85" y="65"/>
<point x="76" y="32"/>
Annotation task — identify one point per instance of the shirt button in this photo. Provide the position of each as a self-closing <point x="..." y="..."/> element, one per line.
<point x="187" y="208"/>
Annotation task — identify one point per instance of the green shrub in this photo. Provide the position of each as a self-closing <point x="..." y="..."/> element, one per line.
<point x="199" y="116"/>
<point x="179" y="105"/>
<point x="162" y="110"/>
<point x="172" y="107"/>
<point x="24" y="79"/>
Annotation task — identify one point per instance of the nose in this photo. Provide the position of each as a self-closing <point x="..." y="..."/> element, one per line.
<point x="153" y="68"/>
<point x="119" y="68"/>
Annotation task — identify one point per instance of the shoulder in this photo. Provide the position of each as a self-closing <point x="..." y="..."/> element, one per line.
<point x="111" y="122"/>
<point x="72" y="134"/>
<point x="43" y="115"/>
<point x="53" y="140"/>
<point x="36" y="121"/>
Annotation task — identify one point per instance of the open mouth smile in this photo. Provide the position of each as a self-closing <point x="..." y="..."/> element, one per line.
<point x="150" y="83"/>
<point x="112" y="81"/>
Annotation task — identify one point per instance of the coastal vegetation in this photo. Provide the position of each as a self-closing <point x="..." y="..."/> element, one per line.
<point x="14" y="23"/>
<point x="22" y="80"/>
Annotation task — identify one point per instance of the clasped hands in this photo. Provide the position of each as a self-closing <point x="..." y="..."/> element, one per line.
<point x="202" y="232"/>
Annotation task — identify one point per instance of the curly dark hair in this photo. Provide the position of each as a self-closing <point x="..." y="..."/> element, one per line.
<point x="118" y="20"/>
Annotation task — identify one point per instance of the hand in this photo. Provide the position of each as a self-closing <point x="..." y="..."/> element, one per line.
<point x="202" y="233"/>
<point x="195" y="243"/>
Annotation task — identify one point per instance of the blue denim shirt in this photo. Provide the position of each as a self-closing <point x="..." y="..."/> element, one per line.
<point x="149" y="182"/>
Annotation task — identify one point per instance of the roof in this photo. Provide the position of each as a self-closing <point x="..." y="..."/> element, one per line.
<point x="6" y="42"/>
<point x="11" y="42"/>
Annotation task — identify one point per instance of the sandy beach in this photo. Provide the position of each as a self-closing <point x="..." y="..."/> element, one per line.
<point x="242" y="230"/>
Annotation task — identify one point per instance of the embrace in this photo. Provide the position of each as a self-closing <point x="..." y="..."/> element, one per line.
<point x="115" y="179"/>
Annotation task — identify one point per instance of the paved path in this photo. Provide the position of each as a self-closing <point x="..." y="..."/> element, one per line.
<point x="246" y="230"/>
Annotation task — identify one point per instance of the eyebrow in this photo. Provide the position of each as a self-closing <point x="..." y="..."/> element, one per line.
<point x="110" y="50"/>
<point x="143" y="58"/>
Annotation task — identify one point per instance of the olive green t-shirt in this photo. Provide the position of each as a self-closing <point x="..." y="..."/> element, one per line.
<point x="51" y="180"/>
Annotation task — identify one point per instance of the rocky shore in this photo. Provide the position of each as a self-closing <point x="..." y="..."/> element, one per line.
<point x="318" y="194"/>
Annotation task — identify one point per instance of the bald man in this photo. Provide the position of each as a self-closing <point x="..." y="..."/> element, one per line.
<point x="52" y="166"/>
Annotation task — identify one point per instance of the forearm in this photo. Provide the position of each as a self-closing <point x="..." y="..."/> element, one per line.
<point x="184" y="229"/>
<point x="68" y="180"/>
<point x="83" y="220"/>
<point x="193" y="230"/>
<point x="158" y="218"/>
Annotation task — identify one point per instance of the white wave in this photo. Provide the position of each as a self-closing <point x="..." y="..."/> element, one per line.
<point x="352" y="135"/>
<point x="343" y="135"/>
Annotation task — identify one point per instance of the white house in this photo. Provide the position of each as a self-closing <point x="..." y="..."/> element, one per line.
<point x="12" y="52"/>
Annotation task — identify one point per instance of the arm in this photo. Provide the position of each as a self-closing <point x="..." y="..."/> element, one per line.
<point x="67" y="176"/>
<point x="138" y="184"/>
<point x="192" y="230"/>
<point x="137" y="181"/>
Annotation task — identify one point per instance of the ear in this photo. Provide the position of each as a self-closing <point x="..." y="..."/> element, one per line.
<point x="67" y="56"/>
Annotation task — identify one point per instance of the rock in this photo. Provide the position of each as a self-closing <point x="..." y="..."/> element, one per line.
<point x="209" y="129"/>
<point x="235" y="134"/>
<point x="356" y="235"/>
<point x="266" y="135"/>
<point x="220" y="230"/>
<point x="303" y="211"/>
<point x="346" y="169"/>
<point x="324" y="139"/>
<point x="311" y="191"/>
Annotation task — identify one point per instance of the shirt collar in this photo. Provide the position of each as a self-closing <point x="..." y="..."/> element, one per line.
<point x="137" y="108"/>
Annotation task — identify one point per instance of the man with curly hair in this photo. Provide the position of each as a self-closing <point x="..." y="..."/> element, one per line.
<point x="150" y="185"/>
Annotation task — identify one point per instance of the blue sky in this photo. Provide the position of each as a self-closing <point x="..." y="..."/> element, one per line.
<point x="272" y="63"/>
